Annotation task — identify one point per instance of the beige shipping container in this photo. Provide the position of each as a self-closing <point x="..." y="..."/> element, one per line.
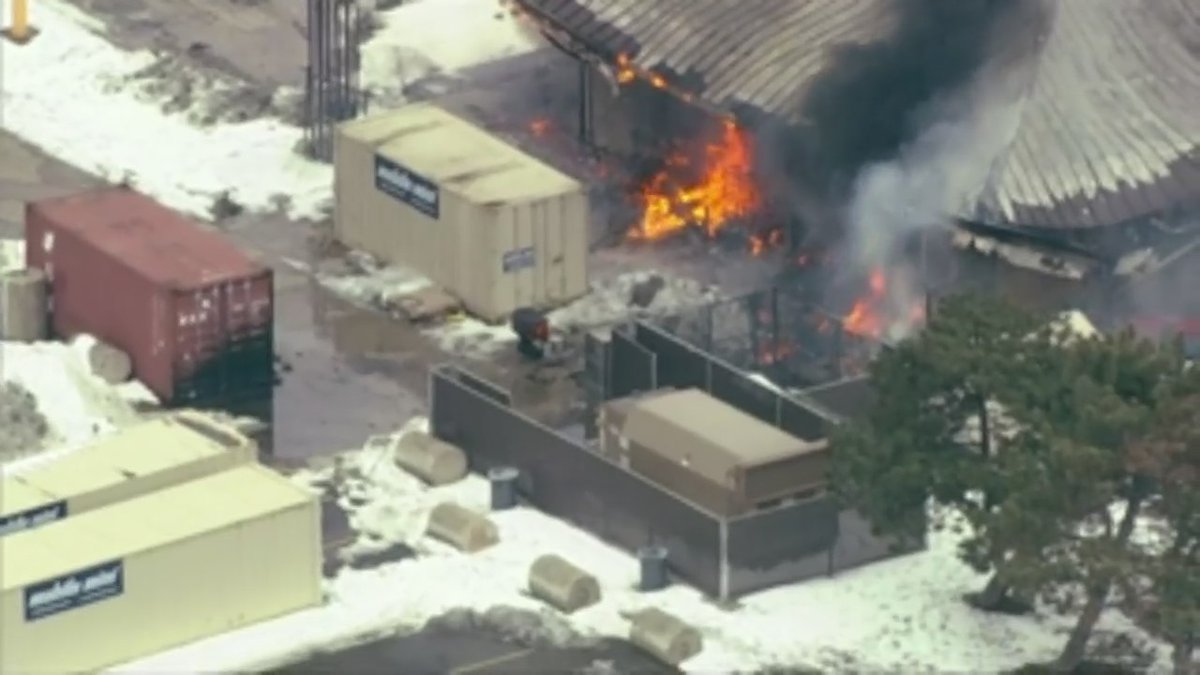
<point x="489" y="223"/>
<point x="711" y="453"/>
<point x="168" y="568"/>
<point x="143" y="458"/>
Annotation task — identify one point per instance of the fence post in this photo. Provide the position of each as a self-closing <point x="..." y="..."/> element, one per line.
<point x="723" y="560"/>
<point x="708" y="327"/>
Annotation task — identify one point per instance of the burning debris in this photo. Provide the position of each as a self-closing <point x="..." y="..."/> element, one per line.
<point x="719" y="191"/>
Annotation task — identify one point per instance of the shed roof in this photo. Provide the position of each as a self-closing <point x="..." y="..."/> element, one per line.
<point x="147" y="237"/>
<point x="1108" y="133"/>
<point x="147" y="448"/>
<point x="458" y="156"/>
<point x="17" y="496"/>
<point x="708" y="435"/>
<point x="131" y="527"/>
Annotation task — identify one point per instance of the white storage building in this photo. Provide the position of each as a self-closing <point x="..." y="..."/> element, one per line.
<point x="164" y="569"/>
<point x="487" y="222"/>
<point x="141" y="459"/>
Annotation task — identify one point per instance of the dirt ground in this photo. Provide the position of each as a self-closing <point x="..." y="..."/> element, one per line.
<point x="259" y="40"/>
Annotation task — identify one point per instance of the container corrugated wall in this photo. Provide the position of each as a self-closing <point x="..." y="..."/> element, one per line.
<point x="188" y="589"/>
<point x="494" y="256"/>
<point x="194" y="313"/>
<point x="554" y="233"/>
<point x="133" y="462"/>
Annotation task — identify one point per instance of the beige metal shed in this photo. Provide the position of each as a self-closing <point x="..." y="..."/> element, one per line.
<point x="499" y="229"/>
<point x="143" y="458"/>
<point x="164" y="569"/>
<point x="710" y="452"/>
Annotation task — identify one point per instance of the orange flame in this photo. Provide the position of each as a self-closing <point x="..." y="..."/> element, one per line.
<point x="626" y="73"/>
<point x="725" y="190"/>
<point x="539" y="127"/>
<point x="868" y="317"/>
<point x="864" y="317"/>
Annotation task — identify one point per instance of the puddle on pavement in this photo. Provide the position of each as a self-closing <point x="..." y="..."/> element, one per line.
<point x="393" y="553"/>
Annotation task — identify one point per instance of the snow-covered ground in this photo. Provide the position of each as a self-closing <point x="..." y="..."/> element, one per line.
<point x="440" y="38"/>
<point x="904" y="615"/>
<point x="607" y="304"/>
<point x="76" y="405"/>
<point x="68" y="93"/>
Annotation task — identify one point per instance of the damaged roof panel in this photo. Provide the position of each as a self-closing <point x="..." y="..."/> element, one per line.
<point x="761" y="53"/>
<point x="1110" y="131"/>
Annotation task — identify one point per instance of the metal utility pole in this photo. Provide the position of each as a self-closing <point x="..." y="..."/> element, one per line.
<point x="332" y="92"/>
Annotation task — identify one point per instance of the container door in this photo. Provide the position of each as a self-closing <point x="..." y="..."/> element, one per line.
<point x="248" y="351"/>
<point x="224" y="341"/>
<point x="199" y="333"/>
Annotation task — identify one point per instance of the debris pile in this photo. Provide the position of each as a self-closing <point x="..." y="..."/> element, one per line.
<point x="25" y="428"/>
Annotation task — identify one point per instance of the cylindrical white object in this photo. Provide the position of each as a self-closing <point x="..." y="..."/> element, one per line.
<point x="665" y="636"/>
<point x="102" y="359"/>
<point x="432" y="460"/>
<point x="560" y="583"/>
<point x="23" y="305"/>
<point x="462" y="528"/>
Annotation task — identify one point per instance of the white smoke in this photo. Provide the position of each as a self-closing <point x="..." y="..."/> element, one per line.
<point x="937" y="176"/>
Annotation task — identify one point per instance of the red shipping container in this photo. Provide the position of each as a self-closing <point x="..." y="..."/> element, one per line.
<point x="194" y="313"/>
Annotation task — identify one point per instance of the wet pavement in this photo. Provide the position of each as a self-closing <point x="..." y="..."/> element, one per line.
<point x="442" y="652"/>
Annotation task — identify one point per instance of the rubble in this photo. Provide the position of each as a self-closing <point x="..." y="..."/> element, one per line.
<point x="25" y="428"/>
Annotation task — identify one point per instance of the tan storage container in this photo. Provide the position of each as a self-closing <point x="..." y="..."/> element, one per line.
<point x="492" y="225"/>
<point x="149" y="456"/>
<point x="168" y="568"/>
<point x="711" y="453"/>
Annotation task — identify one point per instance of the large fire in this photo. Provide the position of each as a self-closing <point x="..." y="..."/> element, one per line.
<point x="723" y="192"/>
<point x="873" y="316"/>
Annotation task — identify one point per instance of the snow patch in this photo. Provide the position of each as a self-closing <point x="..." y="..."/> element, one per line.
<point x="608" y="303"/>
<point x="64" y="94"/>
<point x="77" y="406"/>
<point x="12" y="255"/>
<point x="427" y="38"/>
<point x="903" y="615"/>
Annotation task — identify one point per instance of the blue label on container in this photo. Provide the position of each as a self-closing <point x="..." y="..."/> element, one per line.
<point x="519" y="259"/>
<point x="34" y="517"/>
<point x="407" y="186"/>
<point x="85" y="587"/>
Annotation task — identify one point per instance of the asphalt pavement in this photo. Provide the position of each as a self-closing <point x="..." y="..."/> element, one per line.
<point x="445" y="652"/>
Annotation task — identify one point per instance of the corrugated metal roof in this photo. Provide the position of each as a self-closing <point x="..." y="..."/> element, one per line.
<point x="145" y="523"/>
<point x="151" y="239"/>
<point x="763" y="53"/>
<point x="459" y="156"/>
<point x="148" y="448"/>
<point x="1110" y="131"/>
<point x="710" y="436"/>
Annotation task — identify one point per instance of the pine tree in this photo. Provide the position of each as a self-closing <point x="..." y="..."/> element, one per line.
<point x="934" y="431"/>
<point x="1094" y="488"/>
<point x="1166" y="591"/>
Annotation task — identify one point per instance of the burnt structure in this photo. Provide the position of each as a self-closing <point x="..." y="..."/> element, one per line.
<point x="1095" y="182"/>
<point x="725" y="555"/>
<point x="331" y="87"/>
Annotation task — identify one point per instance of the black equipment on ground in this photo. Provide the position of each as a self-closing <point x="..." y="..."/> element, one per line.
<point x="533" y="331"/>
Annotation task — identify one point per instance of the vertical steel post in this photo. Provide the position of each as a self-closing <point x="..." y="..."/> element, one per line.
<point x="19" y="30"/>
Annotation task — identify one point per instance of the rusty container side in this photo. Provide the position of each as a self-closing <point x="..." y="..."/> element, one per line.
<point x="192" y="310"/>
<point x="93" y="293"/>
<point x="223" y="339"/>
